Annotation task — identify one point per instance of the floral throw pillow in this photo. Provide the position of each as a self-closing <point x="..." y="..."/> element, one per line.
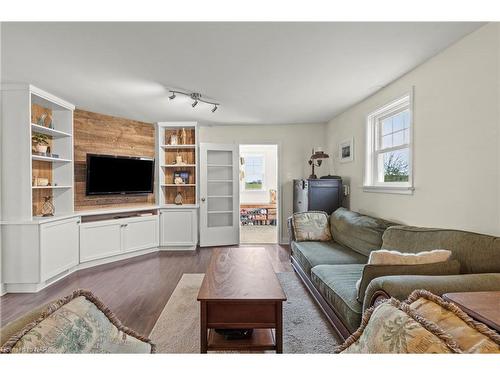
<point x="392" y="327"/>
<point x="471" y="336"/>
<point x="311" y="226"/>
<point x="78" y="323"/>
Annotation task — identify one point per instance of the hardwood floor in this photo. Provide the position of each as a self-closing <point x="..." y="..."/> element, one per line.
<point x="136" y="289"/>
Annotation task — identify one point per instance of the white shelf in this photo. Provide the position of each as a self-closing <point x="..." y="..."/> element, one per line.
<point x="47" y="131"/>
<point x="178" y="146"/>
<point x="178" y="185"/>
<point x="177" y="165"/>
<point x="52" y="187"/>
<point x="48" y="158"/>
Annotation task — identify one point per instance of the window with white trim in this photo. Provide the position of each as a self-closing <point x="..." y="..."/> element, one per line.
<point x="254" y="172"/>
<point x="389" y="147"/>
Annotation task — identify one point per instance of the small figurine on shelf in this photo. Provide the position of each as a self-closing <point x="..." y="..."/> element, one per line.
<point x="178" y="198"/>
<point x="173" y="139"/>
<point x="48" y="208"/>
<point x="178" y="159"/>
<point x="183" y="137"/>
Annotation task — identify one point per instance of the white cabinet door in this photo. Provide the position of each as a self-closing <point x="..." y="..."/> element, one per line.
<point x="179" y="227"/>
<point x="140" y="233"/>
<point x="58" y="247"/>
<point x="100" y="239"/>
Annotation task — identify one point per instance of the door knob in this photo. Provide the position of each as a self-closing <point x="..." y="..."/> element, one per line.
<point x="203" y="199"/>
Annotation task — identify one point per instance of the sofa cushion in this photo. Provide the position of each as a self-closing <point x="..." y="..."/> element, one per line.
<point x="337" y="285"/>
<point x="78" y="323"/>
<point x="477" y="253"/>
<point x="311" y="226"/>
<point x="311" y="254"/>
<point x="359" y="232"/>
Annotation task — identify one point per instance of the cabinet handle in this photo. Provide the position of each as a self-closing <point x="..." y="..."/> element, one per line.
<point x="78" y="222"/>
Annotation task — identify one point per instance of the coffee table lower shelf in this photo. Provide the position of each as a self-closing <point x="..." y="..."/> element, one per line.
<point x="261" y="339"/>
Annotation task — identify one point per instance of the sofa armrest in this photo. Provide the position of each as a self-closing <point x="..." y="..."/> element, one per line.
<point x="374" y="271"/>
<point x="291" y="235"/>
<point x="400" y="287"/>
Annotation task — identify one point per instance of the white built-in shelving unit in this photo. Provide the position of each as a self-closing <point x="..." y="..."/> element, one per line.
<point x="178" y="223"/>
<point x="22" y="197"/>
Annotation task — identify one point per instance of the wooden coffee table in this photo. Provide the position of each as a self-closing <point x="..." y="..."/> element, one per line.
<point x="481" y="306"/>
<point x="241" y="290"/>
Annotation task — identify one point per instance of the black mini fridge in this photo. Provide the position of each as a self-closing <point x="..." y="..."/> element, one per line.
<point x="317" y="195"/>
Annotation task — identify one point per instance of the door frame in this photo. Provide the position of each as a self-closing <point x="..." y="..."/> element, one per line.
<point x="279" y="177"/>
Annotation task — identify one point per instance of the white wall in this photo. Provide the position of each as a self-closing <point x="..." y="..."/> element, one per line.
<point x="295" y="143"/>
<point x="456" y="140"/>
<point x="269" y="152"/>
<point x="1" y="283"/>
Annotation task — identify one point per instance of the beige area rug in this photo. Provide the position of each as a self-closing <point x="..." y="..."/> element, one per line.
<point x="258" y="234"/>
<point x="305" y="329"/>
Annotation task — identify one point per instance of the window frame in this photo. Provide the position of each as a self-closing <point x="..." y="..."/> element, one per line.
<point x="374" y="148"/>
<point x="244" y="185"/>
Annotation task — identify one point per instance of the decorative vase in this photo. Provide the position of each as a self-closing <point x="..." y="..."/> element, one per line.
<point x="173" y="139"/>
<point x="48" y="208"/>
<point x="178" y="198"/>
<point x="178" y="159"/>
<point x="183" y="137"/>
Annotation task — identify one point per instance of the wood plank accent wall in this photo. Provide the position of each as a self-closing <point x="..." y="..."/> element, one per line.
<point x="96" y="133"/>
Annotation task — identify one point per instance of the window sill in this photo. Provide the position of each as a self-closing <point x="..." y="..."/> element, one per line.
<point x="405" y="190"/>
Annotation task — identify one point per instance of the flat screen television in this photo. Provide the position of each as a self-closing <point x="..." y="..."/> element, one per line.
<point x="110" y="174"/>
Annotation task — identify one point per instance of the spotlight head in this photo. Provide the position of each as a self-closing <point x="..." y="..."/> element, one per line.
<point x="214" y="108"/>
<point x="172" y="96"/>
<point x="195" y="103"/>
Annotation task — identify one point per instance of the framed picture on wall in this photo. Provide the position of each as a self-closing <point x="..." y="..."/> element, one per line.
<point x="346" y="150"/>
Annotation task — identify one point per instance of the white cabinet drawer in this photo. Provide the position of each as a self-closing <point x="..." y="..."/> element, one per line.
<point x="58" y="247"/>
<point x="100" y="240"/>
<point x="140" y="233"/>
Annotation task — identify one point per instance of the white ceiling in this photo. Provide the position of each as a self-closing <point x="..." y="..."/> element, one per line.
<point x="260" y="72"/>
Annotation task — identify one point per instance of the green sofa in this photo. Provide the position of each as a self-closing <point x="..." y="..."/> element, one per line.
<point x="331" y="269"/>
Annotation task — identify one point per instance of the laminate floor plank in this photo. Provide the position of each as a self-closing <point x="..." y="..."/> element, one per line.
<point x="136" y="289"/>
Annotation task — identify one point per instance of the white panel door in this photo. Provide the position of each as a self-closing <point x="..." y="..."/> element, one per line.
<point x="58" y="246"/>
<point x="100" y="239"/>
<point x="140" y="233"/>
<point x="219" y="194"/>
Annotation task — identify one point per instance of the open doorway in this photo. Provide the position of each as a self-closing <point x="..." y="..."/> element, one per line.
<point x="258" y="194"/>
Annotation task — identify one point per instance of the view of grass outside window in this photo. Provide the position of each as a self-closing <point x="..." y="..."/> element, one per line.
<point x="393" y="151"/>
<point x="254" y="172"/>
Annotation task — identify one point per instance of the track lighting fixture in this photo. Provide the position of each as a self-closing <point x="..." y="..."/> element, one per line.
<point x="196" y="97"/>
